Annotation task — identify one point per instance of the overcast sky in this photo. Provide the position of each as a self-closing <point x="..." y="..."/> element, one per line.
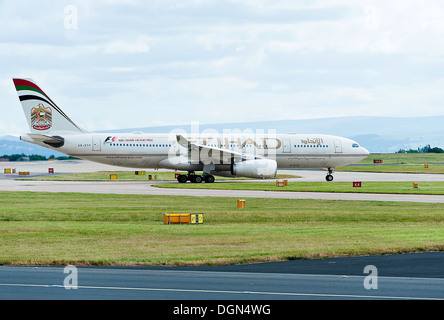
<point x="127" y="63"/>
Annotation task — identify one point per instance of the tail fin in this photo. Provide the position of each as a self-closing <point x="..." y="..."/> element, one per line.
<point x="43" y="115"/>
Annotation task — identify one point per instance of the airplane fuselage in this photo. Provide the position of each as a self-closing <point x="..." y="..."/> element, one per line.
<point x="145" y="151"/>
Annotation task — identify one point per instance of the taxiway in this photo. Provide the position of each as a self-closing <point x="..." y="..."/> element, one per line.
<point x="411" y="276"/>
<point x="9" y="183"/>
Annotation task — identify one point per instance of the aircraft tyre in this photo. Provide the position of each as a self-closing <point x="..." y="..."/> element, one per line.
<point x="209" y="178"/>
<point x="329" y="177"/>
<point x="182" y="178"/>
<point x="197" y="179"/>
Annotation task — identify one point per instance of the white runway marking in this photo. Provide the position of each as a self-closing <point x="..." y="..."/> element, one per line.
<point x="295" y="294"/>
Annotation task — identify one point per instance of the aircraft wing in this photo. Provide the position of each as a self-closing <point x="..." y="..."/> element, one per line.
<point x="203" y="153"/>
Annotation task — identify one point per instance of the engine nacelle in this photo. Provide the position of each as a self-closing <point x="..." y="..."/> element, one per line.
<point x="258" y="168"/>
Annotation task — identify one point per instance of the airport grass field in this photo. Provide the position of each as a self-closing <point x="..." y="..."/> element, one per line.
<point x="404" y="158"/>
<point x="400" y="163"/>
<point x="393" y="168"/>
<point x="392" y="187"/>
<point x="100" y="229"/>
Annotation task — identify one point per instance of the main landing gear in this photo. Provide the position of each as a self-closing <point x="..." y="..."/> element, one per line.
<point x="329" y="176"/>
<point x="195" y="178"/>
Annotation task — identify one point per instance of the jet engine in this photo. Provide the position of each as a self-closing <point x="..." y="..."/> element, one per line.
<point x="257" y="168"/>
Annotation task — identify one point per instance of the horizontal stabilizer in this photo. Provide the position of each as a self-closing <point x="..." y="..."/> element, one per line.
<point x="54" y="141"/>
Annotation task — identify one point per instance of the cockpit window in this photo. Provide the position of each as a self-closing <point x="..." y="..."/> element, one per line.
<point x="355" y="145"/>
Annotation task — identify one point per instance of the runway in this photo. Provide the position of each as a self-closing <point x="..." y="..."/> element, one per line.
<point x="146" y="188"/>
<point x="8" y="183"/>
<point x="410" y="276"/>
<point x="78" y="166"/>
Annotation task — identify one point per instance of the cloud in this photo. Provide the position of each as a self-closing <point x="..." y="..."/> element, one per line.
<point x="140" y="45"/>
<point x="256" y="60"/>
<point x="223" y="61"/>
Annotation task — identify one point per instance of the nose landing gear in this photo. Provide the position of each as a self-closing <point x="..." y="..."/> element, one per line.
<point x="329" y="176"/>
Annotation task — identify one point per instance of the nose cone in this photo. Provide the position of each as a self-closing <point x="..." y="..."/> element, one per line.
<point x="365" y="151"/>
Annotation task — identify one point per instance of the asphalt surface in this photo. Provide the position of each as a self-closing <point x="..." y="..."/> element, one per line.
<point x="398" y="277"/>
<point x="147" y="188"/>
<point x="77" y="166"/>
<point x="8" y="183"/>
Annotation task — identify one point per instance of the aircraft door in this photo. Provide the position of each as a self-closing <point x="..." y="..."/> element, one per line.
<point x="338" y="145"/>
<point x="96" y="144"/>
<point x="286" y="145"/>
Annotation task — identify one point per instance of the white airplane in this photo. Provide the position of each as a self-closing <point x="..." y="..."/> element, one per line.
<point x="234" y="155"/>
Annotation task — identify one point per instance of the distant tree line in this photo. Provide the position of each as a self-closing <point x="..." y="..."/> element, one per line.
<point x="425" y="149"/>
<point x="33" y="157"/>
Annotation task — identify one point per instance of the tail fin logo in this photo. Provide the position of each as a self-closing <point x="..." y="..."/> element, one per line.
<point x="41" y="117"/>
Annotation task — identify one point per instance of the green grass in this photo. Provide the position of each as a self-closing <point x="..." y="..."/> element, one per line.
<point x="433" y="168"/>
<point x="400" y="163"/>
<point x="405" y="158"/>
<point x="99" y="229"/>
<point x="123" y="176"/>
<point x="367" y="187"/>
